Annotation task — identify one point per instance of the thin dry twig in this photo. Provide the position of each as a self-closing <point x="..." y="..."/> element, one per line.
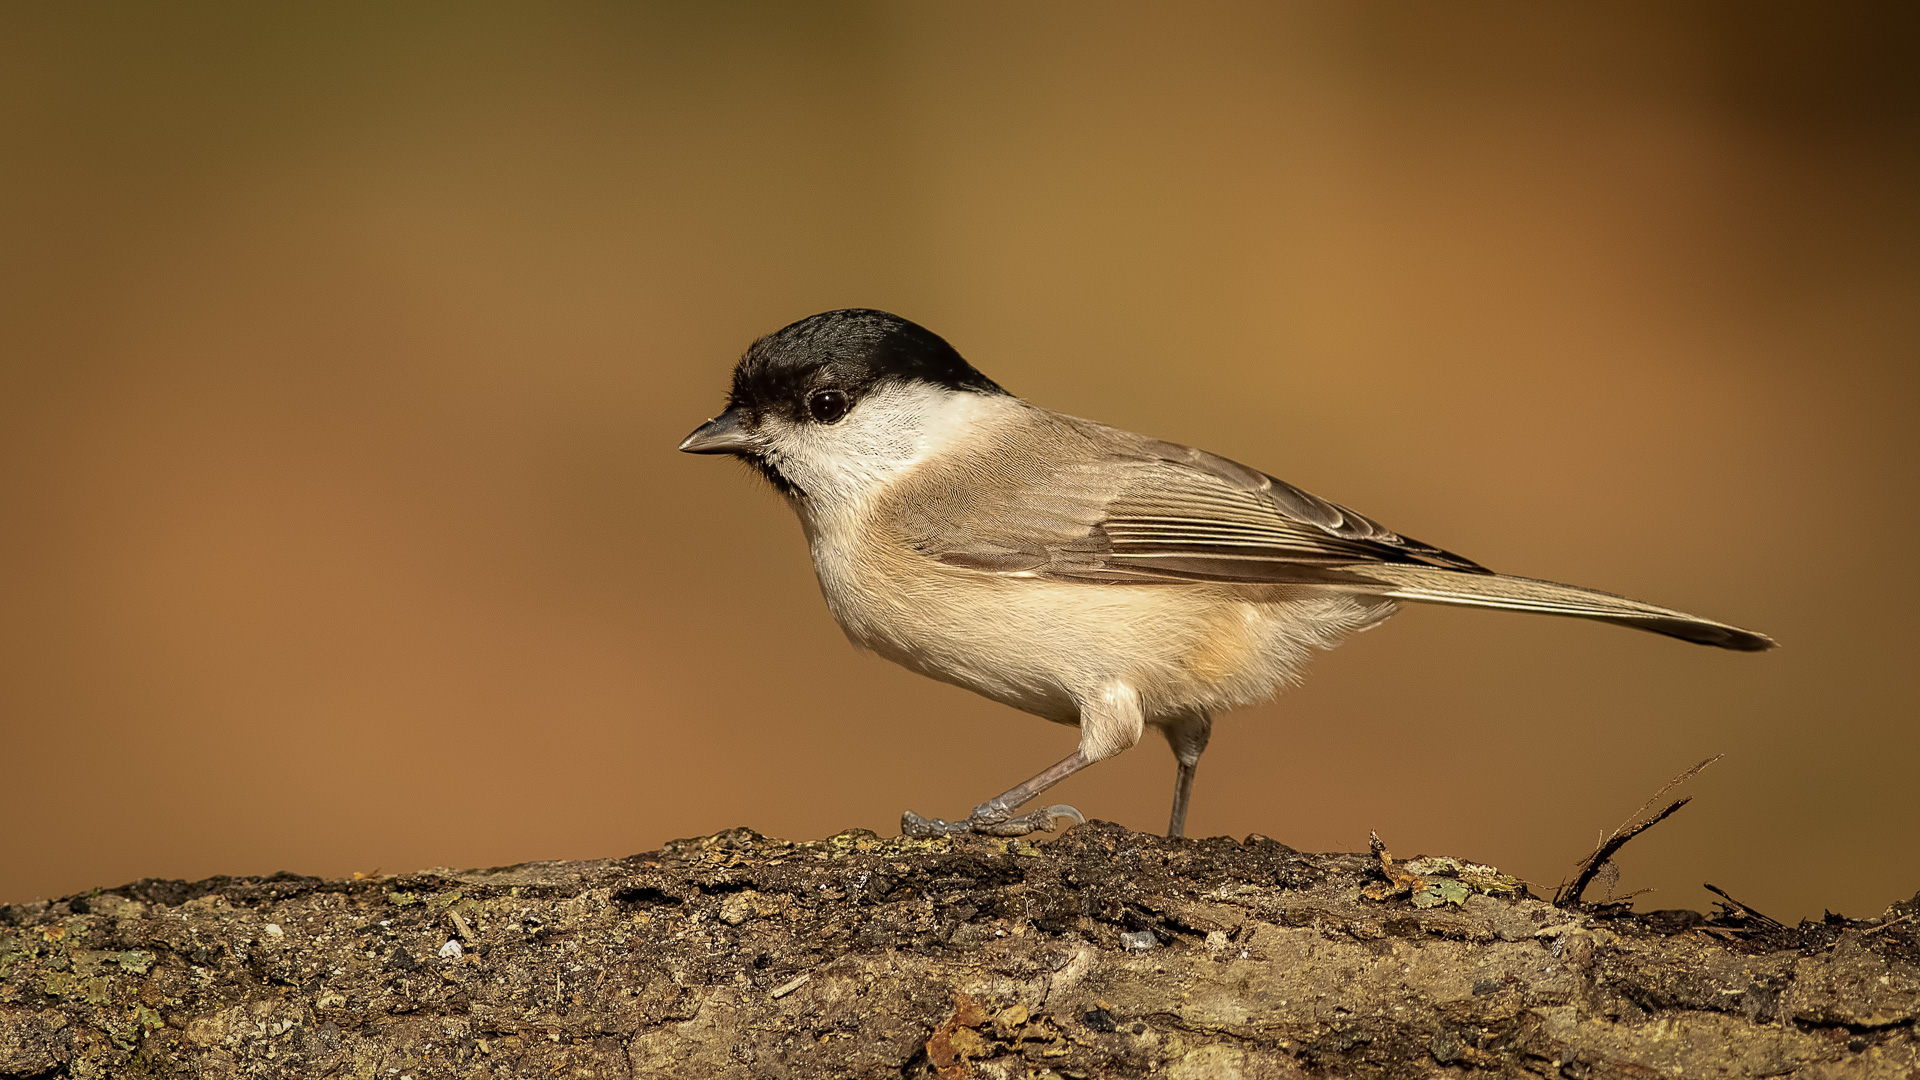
<point x="1895" y="922"/>
<point x="1744" y="909"/>
<point x="1592" y="866"/>
<point x="1669" y="786"/>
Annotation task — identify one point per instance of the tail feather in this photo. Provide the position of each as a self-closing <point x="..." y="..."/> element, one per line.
<point x="1436" y="586"/>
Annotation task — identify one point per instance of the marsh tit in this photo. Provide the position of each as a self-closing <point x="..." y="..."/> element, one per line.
<point x="1085" y="574"/>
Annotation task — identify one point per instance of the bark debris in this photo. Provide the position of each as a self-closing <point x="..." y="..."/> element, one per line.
<point x="1103" y="953"/>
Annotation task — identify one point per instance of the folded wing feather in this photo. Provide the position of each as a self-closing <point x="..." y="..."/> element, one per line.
<point x="1142" y="511"/>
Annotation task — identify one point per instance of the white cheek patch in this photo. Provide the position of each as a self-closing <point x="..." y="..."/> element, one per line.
<point x="885" y="435"/>
<point x="951" y="419"/>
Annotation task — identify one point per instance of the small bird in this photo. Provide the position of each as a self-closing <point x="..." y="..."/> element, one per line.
<point x="1087" y="575"/>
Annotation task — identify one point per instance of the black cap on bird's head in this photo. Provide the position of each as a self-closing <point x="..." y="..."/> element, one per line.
<point x="849" y="350"/>
<point x="820" y="367"/>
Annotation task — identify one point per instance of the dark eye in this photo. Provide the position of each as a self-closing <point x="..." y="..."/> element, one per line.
<point x="828" y="406"/>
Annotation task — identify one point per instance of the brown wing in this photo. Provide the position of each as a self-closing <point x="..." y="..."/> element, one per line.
<point x="1103" y="505"/>
<point x="1120" y="507"/>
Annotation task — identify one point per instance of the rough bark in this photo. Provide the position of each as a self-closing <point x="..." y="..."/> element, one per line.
<point x="1102" y="953"/>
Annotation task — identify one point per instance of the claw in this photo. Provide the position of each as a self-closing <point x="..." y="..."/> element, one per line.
<point x="912" y="824"/>
<point x="1038" y="821"/>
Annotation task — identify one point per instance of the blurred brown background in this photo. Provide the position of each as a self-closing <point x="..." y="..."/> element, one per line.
<point x="346" y="350"/>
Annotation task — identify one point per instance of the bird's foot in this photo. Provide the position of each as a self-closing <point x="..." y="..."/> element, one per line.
<point x="1045" y="819"/>
<point x="912" y="824"/>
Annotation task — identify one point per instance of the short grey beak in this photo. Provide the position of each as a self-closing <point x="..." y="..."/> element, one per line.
<point x="724" y="434"/>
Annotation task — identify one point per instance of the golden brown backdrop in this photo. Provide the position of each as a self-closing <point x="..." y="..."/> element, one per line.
<point x="346" y="349"/>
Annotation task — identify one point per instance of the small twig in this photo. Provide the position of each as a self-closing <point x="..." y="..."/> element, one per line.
<point x="1744" y="909"/>
<point x="1894" y="922"/>
<point x="1590" y="868"/>
<point x="790" y="986"/>
<point x="1670" y="785"/>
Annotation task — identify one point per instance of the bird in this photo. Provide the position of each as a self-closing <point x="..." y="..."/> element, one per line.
<point x="1088" y="575"/>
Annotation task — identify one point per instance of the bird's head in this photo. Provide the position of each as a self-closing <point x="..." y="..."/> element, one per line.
<point x="830" y="405"/>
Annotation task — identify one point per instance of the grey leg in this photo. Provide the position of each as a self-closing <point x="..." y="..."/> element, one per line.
<point x="1182" y="791"/>
<point x="1188" y="738"/>
<point x="995" y="816"/>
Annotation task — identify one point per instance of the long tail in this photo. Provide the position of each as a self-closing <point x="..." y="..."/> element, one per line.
<point x="1435" y="586"/>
